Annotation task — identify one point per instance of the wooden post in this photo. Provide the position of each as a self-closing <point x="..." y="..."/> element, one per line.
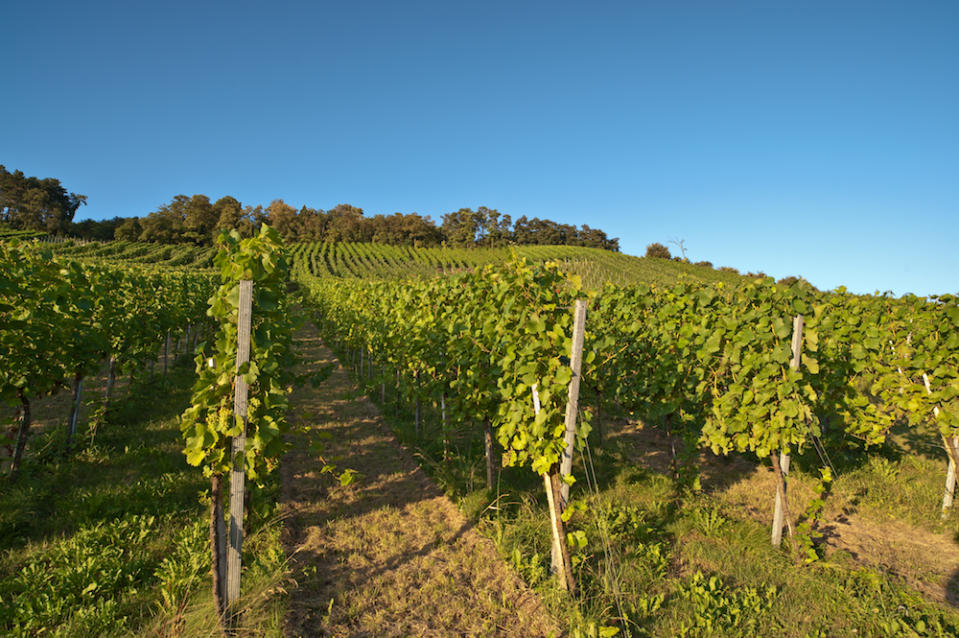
<point x="781" y="509"/>
<point x="74" y="409"/>
<point x="561" y="563"/>
<point x="22" y="432"/>
<point x="446" y="427"/>
<point x="111" y="380"/>
<point x="598" y="418"/>
<point x="559" y="551"/>
<point x="952" y="450"/>
<point x="396" y="404"/>
<point x="488" y="445"/>
<point x="572" y="401"/>
<point x="237" y="474"/>
<point x="419" y="407"/>
<point x="166" y="352"/>
<point x="778" y="511"/>
<point x="218" y="547"/>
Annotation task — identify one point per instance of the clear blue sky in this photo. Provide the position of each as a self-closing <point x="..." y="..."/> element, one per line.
<point x="809" y="138"/>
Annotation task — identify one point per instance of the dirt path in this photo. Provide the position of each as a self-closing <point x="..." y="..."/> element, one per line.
<point x="927" y="561"/>
<point x="389" y="555"/>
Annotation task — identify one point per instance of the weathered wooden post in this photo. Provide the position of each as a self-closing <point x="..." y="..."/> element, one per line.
<point x="557" y="490"/>
<point x="238" y="472"/>
<point x="111" y="381"/>
<point x="488" y="450"/>
<point x="166" y="353"/>
<point x="951" y="444"/>
<point x="780" y="461"/>
<point x="445" y="425"/>
<point x="572" y="401"/>
<point x="74" y="409"/>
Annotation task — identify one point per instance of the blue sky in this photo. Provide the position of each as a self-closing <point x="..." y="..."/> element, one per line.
<point x="796" y="138"/>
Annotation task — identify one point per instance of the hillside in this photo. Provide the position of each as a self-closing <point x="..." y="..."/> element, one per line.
<point x="594" y="265"/>
<point x="369" y="260"/>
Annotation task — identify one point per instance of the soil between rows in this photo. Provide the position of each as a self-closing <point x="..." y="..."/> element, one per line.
<point x="389" y="555"/>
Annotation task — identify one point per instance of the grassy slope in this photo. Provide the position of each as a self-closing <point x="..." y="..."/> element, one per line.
<point x="666" y="544"/>
<point x="595" y="266"/>
<point x="663" y="561"/>
<point x="174" y="255"/>
<point x="111" y="540"/>
<point x="345" y="259"/>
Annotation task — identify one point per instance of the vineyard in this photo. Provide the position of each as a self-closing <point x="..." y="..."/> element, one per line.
<point x="380" y="261"/>
<point x="689" y="453"/>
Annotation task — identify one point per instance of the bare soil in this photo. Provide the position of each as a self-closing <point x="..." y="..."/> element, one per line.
<point x="389" y="555"/>
<point x="926" y="561"/>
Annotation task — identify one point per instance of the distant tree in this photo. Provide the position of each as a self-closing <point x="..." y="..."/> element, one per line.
<point x="128" y="230"/>
<point x="229" y="214"/>
<point x="461" y="228"/>
<point x="681" y="244"/>
<point x="596" y="238"/>
<point x="523" y="231"/>
<point x="284" y="219"/>
<point x="193" y="219"/>
<point x="658" y="251"/>
<point x="200" y="218"/>
<point x="99" y="230"/>
<point x="31" y="203"/>
<point x="346" y="223"/>
<point x="164" y="225"/>
<point x="405" y="230"/>
<point x="707" y="264"/>
<point x="728" y="269"/>
<point x="313" y="224"/>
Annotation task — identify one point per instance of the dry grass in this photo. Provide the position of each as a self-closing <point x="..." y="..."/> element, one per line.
<point x="924" y="556"/>
<point x="389" y="555"/>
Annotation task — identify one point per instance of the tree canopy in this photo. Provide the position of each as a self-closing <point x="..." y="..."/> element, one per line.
<point x="33" y="203"/>
<point x="195" y="220"/>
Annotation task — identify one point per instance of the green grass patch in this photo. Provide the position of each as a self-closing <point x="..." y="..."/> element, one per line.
<point x="652" y="559"/>
<point x="113" y="539"/>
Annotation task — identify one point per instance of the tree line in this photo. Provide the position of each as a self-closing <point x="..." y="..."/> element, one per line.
<point x="197" y="220"/>
<point x="31" y="203"/>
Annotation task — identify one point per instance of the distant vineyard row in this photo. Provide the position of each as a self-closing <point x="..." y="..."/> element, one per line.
<point x="136" y="252"/>
<point x="594" y="266"/>
<point x="351" y="260"/>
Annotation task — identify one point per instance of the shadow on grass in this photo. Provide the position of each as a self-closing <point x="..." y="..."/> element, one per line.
<point x="131" y="465"/>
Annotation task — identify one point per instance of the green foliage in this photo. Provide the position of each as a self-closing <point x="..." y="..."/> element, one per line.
<point x="807" y="534"/>
<point x="722" y="610"/>
<point x="595" y="266"/>
<point x="658" y="251"/>
<point x="88" y="578"/>
<point x="61" y="318"/>
<point x="447" y="337"/>
<point x="32" y="203"/>
<point x="209" y="424"/>
<point x="708" y="520"/>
